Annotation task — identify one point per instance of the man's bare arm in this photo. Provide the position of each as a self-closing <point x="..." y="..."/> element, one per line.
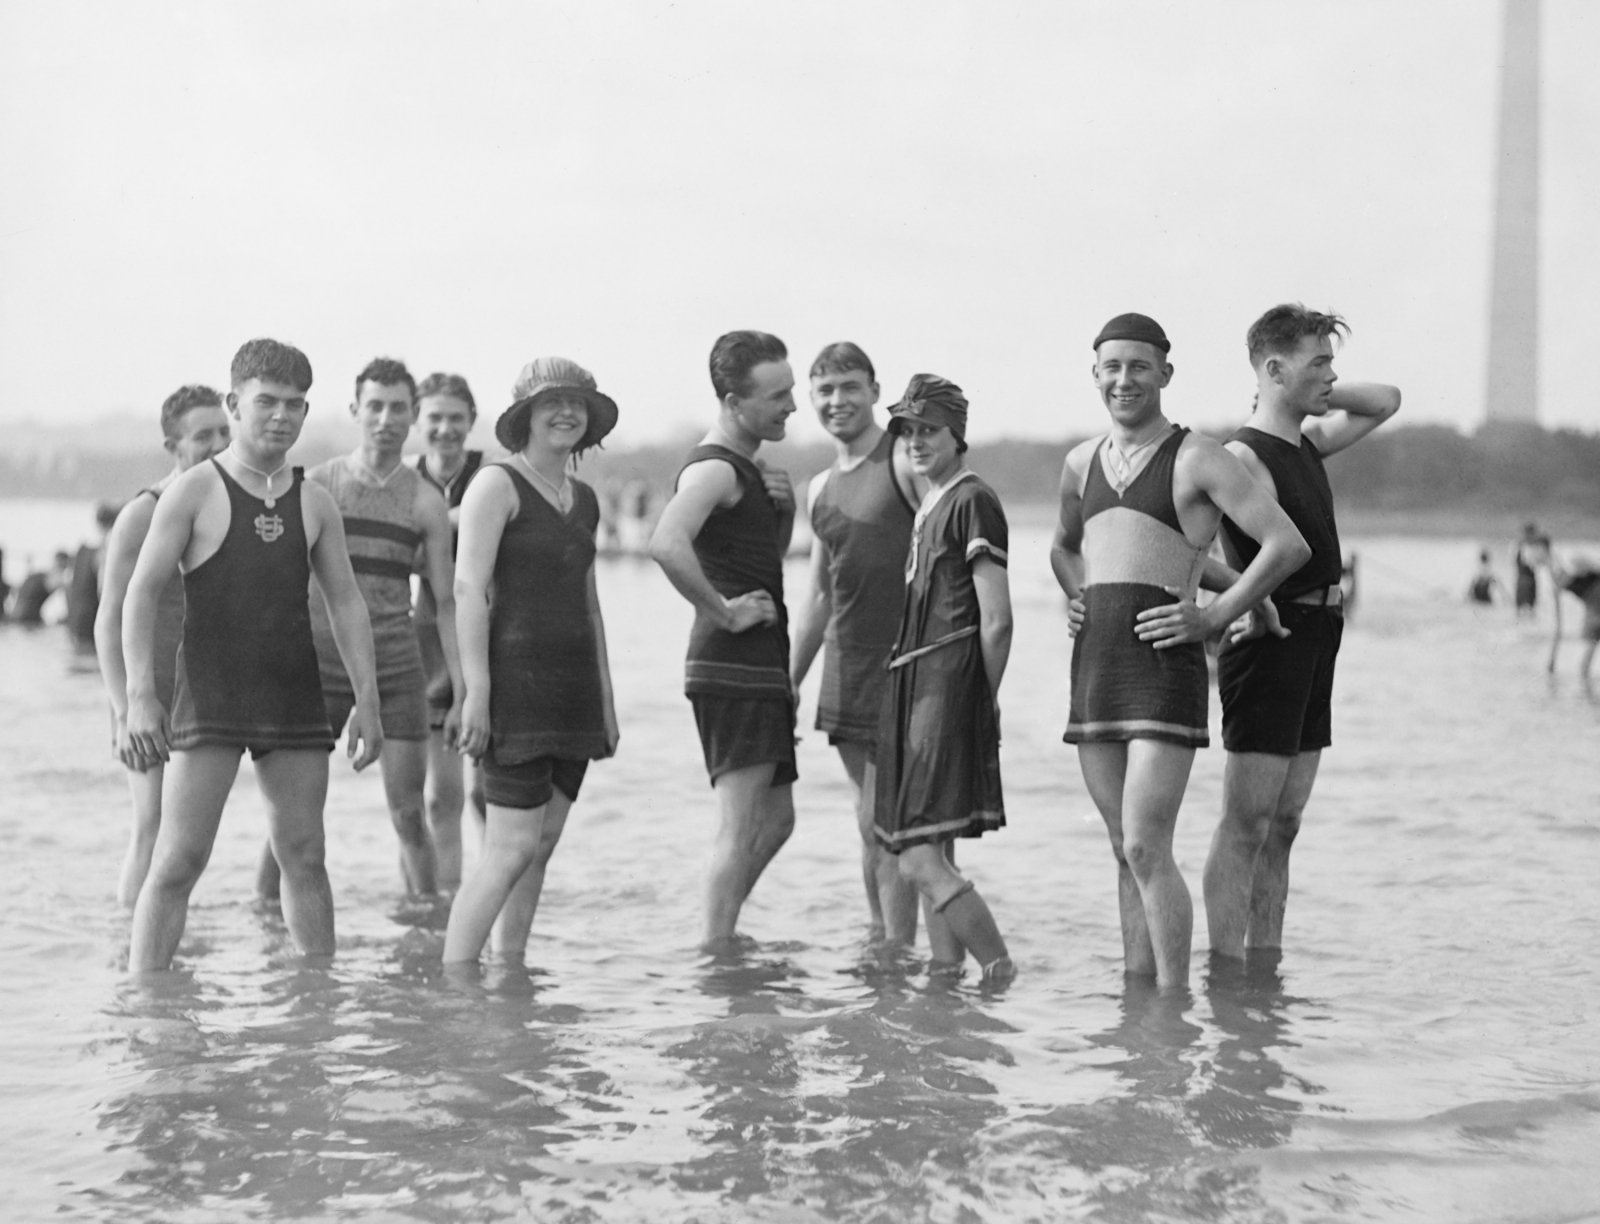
<point x="809" y="615"/>
<point x="1355" y="410"/>
<point x="1223" y="479"/>
<point x="171" y="527"/>
<point x="348" y="616"/>
<point x="702" y="488"/>
<point x="1066" y="547"/>
<point x="121" y="554"/>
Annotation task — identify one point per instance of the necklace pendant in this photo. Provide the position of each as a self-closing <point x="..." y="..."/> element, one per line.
<point x="270" y="501"/>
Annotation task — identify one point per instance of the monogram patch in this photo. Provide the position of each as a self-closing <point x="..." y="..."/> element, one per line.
<point x="269" y="527"/>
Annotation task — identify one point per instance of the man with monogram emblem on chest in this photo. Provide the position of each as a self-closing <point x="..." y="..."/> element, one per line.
<point x="248" y="534"/>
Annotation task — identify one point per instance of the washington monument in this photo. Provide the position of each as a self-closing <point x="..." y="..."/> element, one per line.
<point x="1513" y="390"/>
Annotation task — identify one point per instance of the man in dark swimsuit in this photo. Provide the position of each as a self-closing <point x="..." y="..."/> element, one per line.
<point x="1276" y="689"/>
<point x="721" y="540"/>
<point x="1139" y="509"/>
<point x="861" y="510"/>
<point x="194" y="426"/>
<point x="248" y="533"/>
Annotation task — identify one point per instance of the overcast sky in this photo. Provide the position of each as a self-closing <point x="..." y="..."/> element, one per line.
<point x="963" y="188"/>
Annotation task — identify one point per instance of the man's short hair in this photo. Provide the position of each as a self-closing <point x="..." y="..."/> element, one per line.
<point x="452" y="385"/>
<point x="735" y="354"/>
<point x="387" y="372"/>
<point x="841" y="357"/>
<point x="186" y="397"/>
<point x="271" y="360"/>
<point x="1280" y="330"/>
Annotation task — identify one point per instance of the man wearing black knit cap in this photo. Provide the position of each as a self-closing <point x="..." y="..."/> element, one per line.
<point x="1140" y="507"/>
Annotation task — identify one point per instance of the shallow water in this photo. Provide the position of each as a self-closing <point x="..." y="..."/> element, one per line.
<point x="1426" y="1050"/>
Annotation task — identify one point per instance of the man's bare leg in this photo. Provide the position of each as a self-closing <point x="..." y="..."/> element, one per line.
<point x="1252" y="784"/>
<point x="405" y="771"/>
<point x="294" y="785"/>
<point x="145" y="790"/>
<point x="891" y="900"/>
<point x="197" y="786"/>
<point x="1152" y="791"/>
<point x="511" y="838"/>
<point x="1104" y="767"/>
<point x="754" y="819"/>
<point x="444" y="798"/>
<point x="517" y="914"/>
<point x="1269" y="891"/>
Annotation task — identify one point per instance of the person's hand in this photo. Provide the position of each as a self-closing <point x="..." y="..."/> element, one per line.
<point x="146" y="734"/>
<point x="472" y="738"/>
<point x="452" y="726"/>
<point x="1175" y="624"/>
<point x="1074" y="615"/>
<point x="122" y="747"/>
<point x="1258" y="622"/>
<point x="363" y="738"/>
<point x="778" y="485"/>
<point x="749" y="610"/>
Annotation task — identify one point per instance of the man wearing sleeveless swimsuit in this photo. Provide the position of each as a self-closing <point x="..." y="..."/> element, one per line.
<point x="721" y="541"/>
<point x="390" y="513"/>
<point x="1276" y="689"/>
<point x="446" y="413"/>
<point x="861" y="510"/>
<point x="1139" y="509"/>
<point x="194" y="426"/>
<point x="248" y="532"/>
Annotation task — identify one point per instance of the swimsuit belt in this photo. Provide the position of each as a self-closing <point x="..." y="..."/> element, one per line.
<point x="937" y="644"/>
<point x="1322" y="597"/>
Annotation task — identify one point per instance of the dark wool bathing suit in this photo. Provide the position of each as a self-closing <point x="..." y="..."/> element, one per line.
<point x="939" y="737"/>
<point x="247" y="669"/>
<point x="864" y="519"/>
<point x="1133" y="546"/>
<point x="422" y="615"/>
<point x="738" y="683"/>
<point x="1277" y="692"/>
<point x="547" y="713"/>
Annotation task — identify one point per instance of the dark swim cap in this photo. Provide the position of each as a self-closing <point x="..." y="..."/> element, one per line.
<point x="1134" y="327"/>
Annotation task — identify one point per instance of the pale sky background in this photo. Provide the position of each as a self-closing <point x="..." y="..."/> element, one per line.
<point x="968" y="189"/>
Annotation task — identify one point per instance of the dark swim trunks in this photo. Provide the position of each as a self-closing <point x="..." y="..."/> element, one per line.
<point x="1277" y="692"/>
<point x="737" y="732"/>
<point x="531" y="784"/>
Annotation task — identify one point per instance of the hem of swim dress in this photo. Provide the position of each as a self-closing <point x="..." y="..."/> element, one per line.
<point x="1131" y="729"/>
<point x="975" y="825"/>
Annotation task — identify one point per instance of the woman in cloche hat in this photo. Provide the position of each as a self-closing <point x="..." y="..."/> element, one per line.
<point x="538" y="704"/>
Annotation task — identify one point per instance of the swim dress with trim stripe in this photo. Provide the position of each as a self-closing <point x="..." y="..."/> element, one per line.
<point x="1133" y="547"/>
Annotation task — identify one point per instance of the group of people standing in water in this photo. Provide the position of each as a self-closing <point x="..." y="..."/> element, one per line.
<point x="252" y="605"/>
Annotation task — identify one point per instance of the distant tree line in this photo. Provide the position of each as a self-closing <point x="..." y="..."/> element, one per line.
<point x="1504" y="469"/>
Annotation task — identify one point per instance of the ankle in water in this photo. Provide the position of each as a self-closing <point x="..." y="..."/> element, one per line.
<point x="999" y="971"/>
